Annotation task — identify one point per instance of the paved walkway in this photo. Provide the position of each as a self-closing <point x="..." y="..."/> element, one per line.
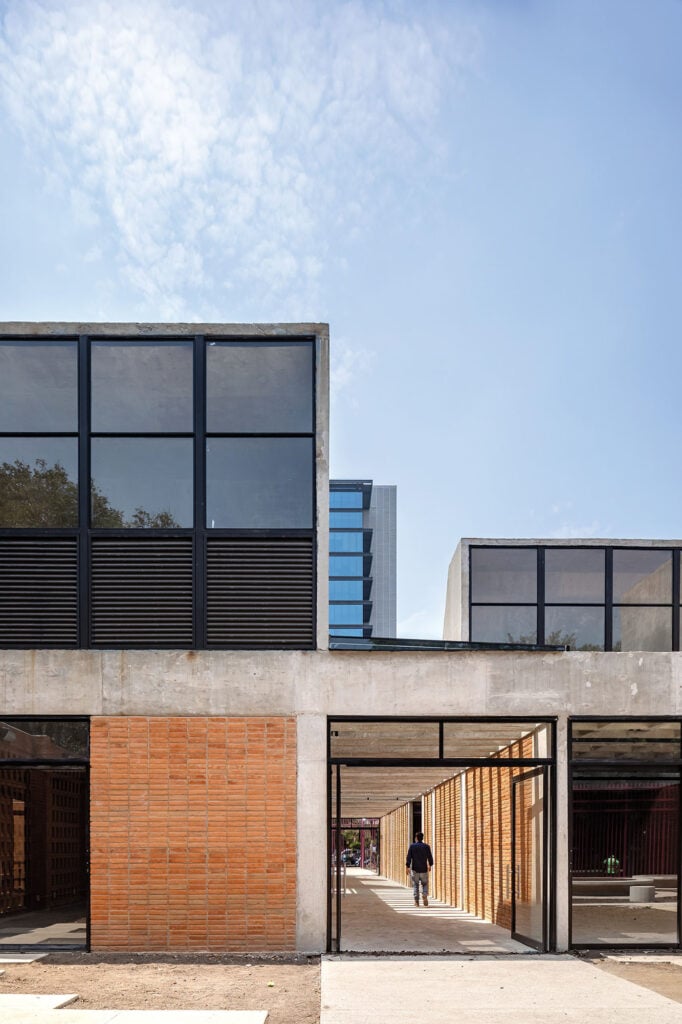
<point x="377" y="915"/>
<point x="484" y="990"/>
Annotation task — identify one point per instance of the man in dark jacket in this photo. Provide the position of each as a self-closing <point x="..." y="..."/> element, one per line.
<point x="420" y="861"/>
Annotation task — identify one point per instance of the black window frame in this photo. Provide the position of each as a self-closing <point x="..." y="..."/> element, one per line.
<point x="84" y="532"/>
<point x="608" y="605"/>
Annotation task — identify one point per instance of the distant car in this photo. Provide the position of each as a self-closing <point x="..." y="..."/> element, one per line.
<point x="350" y="858"/>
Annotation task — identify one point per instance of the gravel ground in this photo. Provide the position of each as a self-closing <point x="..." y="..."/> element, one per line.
<point x="288" y="987"/>
<point x="657" y="975"/>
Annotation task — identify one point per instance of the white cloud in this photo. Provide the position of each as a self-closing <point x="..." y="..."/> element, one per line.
<point x="347" y="364"/>
<point x="226" y="145"/>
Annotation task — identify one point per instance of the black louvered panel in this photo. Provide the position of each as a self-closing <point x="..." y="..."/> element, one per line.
<point x="141" y="592"/>
<point x="260" y="592"/>
<point x="39" y="591"/>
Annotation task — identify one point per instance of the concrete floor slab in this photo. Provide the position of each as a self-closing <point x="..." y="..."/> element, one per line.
<point x="21" y="1001"/>
<point x="477" y="990"/>
<point x="379" y="916"/>
<point x="68" y="1016"/>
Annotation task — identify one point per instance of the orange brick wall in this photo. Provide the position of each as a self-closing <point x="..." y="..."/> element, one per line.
<point x="193" y="833"/>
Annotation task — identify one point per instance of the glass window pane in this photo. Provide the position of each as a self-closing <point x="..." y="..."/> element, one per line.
<point x="345" y="499"/>
<point x="345" y="520"/>
<point x="38" y="481"/>
<point x="642" y="629"/>
<point x="346" y="613"/>
<point x="642" y="577"/>
<point x="626" y="740"/>
<point x="496" y="739"/>
<point x="259" y="482"/>
<point x="259" y="387"/>
<point x="625" y="859"/>
<point x="500" y="625"/>
<point x="506" y="575"/>
<point x="345" y="566"/>
<point x="345" y="590"/>
<point x="142" y="481"/>
<point x="39" y="386"/>
<point x="573" y="575"/>
<point x="345" y="541"/>
<point x="49" y="738"/>
<point x="340" y="631"/>
<point x="582" y="629"/>
<point x="385" y="739"/>
<point x="142" y="387"/>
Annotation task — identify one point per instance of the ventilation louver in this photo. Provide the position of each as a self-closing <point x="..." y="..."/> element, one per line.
<point x="38" y="592"/>
<point x="260" y="592"/>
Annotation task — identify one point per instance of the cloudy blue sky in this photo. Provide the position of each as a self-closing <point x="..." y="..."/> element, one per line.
<point x="482" y="198"/>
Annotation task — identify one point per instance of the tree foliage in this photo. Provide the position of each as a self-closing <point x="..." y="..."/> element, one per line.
<point x="44" y="495"/>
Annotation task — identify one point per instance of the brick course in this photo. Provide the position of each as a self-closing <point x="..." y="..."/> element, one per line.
<point x="175" y="805"/>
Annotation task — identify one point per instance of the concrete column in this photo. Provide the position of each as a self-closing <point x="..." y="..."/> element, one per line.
<point x="311" y="840"/>
<point x="562" y="862"/>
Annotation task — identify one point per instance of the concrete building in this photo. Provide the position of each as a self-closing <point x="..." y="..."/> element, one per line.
<point x="362" y="558"/>
<point x="177" y="738"/>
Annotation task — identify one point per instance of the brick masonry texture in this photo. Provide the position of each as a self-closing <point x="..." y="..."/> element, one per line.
<point x="193" y="834"/>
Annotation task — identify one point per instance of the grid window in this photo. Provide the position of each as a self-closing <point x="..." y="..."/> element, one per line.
<point x="339" y="541"/>
<point x="104" y="442"/>
<point x="345" y="499"/>
<point x="590" y="598"/>
<point x="350" y="565"/>
<point x="346" y="590"/>
<point x="345" y="520"/>
<point x="346" y="614"/>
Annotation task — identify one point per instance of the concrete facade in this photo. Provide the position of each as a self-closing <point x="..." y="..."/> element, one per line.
<point x="312" y="685"/>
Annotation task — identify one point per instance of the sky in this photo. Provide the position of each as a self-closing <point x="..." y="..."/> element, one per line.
<point x="481" y="198"/>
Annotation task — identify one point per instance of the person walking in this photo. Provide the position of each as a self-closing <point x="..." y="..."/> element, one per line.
<point x="419" y="862"/>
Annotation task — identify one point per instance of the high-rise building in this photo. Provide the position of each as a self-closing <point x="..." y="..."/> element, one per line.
<point x="362" y="558"/>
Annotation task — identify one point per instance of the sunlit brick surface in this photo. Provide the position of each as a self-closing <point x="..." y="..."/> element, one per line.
<point x="193" y="833"/>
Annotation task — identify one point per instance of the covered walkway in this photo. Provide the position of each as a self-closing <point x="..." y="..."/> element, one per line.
<point x="377" y="915"/>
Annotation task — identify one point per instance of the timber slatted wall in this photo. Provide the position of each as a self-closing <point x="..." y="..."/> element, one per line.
<point x="395" y="839"/>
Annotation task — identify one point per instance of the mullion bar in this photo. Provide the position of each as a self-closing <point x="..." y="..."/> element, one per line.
<point x="200" y="533"/>
<point x="83" y="590"/>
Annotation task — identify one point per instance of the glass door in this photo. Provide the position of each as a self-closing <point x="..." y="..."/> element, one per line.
<point x="529" y="858"/>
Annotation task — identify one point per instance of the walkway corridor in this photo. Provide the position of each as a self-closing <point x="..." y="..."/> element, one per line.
<point x="378" y="915"/>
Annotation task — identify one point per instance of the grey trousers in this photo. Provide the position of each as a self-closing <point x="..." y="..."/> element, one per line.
<point x="417" y="877"/>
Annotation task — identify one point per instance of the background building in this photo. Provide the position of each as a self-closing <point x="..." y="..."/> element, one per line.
<point x="362" y="558"/>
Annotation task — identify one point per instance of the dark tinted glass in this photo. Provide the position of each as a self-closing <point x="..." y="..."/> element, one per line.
<point x="506" y="575"/>
<point x="141" y="481"/>
<point x="345" y="566"/>
<point x="346" y="613"/>
<point x="574" y="575"/>
<point x="582" y="629"/>
<point x="345" y="499"/>
<point x="642" y="577"/>
<point x="259" y="482"/>
<point x="259" y="387"/>
<point x="626" y="740"/>
<point x="642" y="629"/>
<point x="38" y="481"/>
<point x="141" y="387"/>
<point x="50" y="739"/>
<point x="500" y="625"/>
<point x="39" y="386"/>
<point x="345" y="590"/>
<point x="345" y="520"/>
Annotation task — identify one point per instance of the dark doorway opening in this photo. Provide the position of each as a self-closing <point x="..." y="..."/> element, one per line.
<point x="44" y="810"/>
<point x="460" y="782"/>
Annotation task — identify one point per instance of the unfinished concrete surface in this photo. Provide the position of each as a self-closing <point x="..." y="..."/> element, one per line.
<point x="491" y="990"/>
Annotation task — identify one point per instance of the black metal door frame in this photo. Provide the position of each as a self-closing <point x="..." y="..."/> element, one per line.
<point x="543" y="773"/>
